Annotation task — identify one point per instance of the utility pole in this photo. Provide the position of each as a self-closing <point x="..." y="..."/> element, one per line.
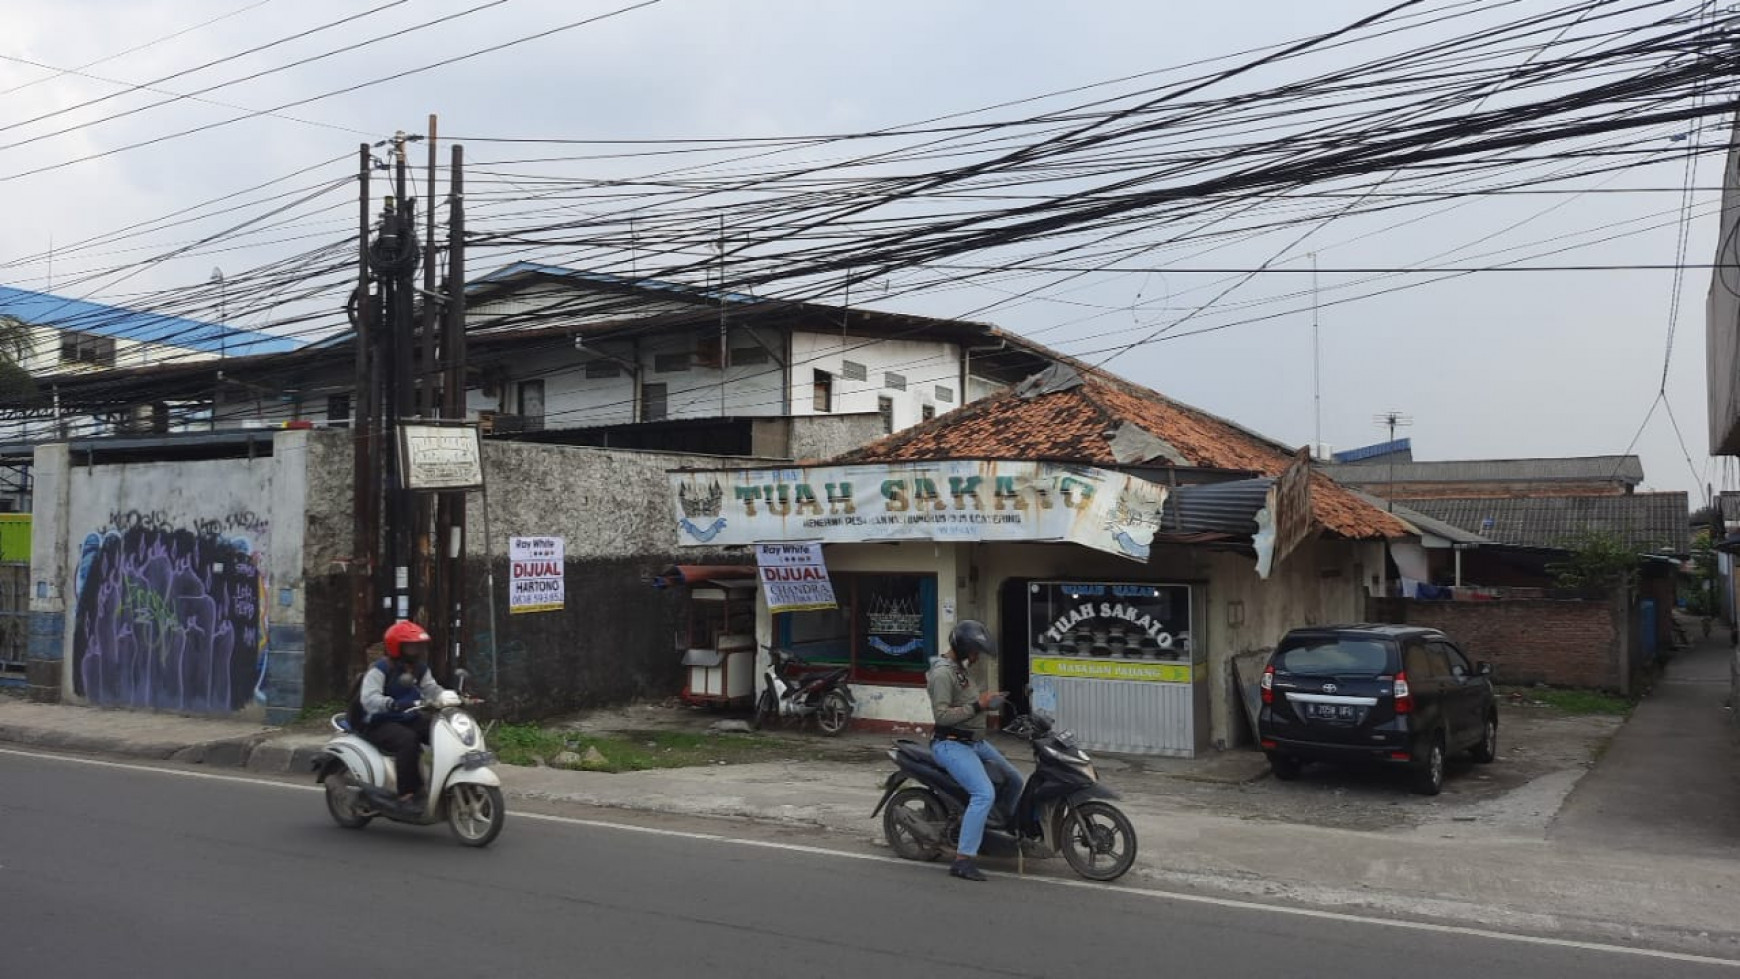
<point x="450" y="530"/>
<point x="365" y="526"/>
<point x="427" y="583"/>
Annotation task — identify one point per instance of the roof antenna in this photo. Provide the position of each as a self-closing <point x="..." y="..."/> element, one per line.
<point x="1395" y="420"/>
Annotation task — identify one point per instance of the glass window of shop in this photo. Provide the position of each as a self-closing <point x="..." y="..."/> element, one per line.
<point x="1109" y="620"/>
<point x="884" y="629"/>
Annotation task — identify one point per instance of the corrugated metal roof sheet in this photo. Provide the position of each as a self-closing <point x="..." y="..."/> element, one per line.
<point x="1601" y="469"/>
<point x="64" y="313"/>
<point x="1650" y="522"/>
<point x="1398" y="447"/>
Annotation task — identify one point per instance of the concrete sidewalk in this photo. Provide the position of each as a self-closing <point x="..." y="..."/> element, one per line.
<point x="1450" y="872"/>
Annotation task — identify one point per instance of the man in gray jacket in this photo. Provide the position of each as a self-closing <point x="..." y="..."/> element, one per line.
<point x="959" y="744"/>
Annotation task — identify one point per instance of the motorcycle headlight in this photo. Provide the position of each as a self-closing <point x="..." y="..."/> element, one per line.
<point x="465" y="728"/>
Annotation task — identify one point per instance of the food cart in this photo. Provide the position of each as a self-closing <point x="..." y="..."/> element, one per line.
<point x="717" y="640"/>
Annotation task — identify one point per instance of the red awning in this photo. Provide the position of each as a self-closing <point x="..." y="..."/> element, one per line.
<point x="693" y="574"/>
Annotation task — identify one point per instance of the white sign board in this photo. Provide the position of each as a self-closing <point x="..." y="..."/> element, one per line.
<point x="440" y="457"/>
<point x="960" y="500"/>
<point x="535" y="582"/>
<point x="793" y="577"/>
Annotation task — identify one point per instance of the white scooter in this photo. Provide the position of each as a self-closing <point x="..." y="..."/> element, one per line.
<point x="463" y="789"/>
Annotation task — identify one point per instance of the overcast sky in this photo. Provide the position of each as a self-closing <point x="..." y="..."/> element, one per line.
<point x="1491" y="365"/>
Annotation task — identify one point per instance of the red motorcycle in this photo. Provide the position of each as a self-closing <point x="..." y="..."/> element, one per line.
<point x="794" y="687"/>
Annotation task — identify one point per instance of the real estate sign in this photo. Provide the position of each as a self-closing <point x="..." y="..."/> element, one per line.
<point x="956" y="500"/>
<point x="794" y="578"/>
<point x="535" y="581"/>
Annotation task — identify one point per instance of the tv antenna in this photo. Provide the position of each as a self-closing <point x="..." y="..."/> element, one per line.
<point x="1392" y="420"/>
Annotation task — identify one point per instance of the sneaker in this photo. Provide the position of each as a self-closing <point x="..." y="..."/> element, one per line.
<point x="966" y="869"/>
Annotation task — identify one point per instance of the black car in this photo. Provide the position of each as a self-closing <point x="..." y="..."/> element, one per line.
<point x="1395" y="695"/>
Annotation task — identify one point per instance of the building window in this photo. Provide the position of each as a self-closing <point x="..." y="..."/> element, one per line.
<point x="86" y="348"/>
<point x="895" y="381"/>
<point x="670" y="363"/>
<point x="927" y="412"/>
<point x="885" y="408"/>
<point x="532" y="405"/>
<point x="653" y="402"/>
<point x="945" y="395"/>
<point x="822" y="398"/>
<point x="601" y="369"/>
<point x="749" y="356"/>
<point x="338" y="409"/>
<point x="851" y="370"/>
<point x="884" y="629"/>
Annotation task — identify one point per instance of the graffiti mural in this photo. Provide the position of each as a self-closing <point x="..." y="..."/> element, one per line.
<point x="172" y="617"/>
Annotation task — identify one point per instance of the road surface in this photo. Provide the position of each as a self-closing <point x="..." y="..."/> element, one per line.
<point x="112" y="870"/>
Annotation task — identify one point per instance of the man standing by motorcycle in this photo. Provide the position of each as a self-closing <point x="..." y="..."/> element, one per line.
<point x="389" y="691"/>
<point x="959" y="744"/>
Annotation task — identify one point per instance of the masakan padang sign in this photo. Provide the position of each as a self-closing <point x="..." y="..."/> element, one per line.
<point x="959" y="500"/>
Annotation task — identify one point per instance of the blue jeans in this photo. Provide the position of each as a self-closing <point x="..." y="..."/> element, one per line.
<point x="970" y="764"/>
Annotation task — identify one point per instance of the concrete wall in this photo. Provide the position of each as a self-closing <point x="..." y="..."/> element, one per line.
<point x="1562" y="643"/>
<point x="170" y="586"/>
<point x="616" y="638"/>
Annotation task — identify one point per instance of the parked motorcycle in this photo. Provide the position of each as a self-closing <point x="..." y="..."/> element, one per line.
<point x="1063" y="806"/>
<point x="464" y="790"/>
<point x="795" y="688"/>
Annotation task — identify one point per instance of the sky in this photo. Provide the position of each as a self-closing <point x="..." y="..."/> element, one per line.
<point x="1491" y="365"/>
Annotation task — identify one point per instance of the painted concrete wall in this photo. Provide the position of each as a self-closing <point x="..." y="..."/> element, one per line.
<point x="926" y="366"/>
<point x="172" y="586"/>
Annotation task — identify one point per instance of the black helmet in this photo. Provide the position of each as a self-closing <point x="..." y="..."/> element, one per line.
<point x="970" y="640"/>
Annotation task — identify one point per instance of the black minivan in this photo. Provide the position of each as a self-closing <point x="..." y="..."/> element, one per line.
<point x="1391" y="694"/>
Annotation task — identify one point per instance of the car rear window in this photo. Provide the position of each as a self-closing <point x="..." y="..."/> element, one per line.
<point x="1337" y="657"/>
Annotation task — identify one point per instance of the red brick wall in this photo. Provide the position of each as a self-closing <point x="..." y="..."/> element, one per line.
<point x="1571" y="644"/>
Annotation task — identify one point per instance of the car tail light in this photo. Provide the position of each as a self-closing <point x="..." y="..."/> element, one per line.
<point x="1268" y="684"/>
<point x="1404" y="697"/>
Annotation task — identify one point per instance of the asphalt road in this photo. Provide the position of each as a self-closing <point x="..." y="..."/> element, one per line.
<point x="118" y="871"/>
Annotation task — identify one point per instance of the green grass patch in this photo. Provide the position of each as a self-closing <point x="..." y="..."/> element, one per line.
<point x="635" y="751"/>
<point x="319" y="712"/>
<point x="1578" y="701"/>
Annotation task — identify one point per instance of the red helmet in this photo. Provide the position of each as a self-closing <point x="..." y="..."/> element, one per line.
<point x="402" y="632"/>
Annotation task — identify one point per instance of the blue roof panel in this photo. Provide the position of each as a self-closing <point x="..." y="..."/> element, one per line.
<point x="1374" y="451"/>
<point x="64" y="313"/>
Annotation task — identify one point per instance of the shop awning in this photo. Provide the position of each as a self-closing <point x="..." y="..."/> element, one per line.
<point x="691" y="574"/>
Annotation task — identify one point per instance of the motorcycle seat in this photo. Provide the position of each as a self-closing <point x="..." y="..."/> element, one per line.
<point x="915" y="750"/>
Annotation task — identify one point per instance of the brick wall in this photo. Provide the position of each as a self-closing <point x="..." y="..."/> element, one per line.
<point x="1563" y="643"/>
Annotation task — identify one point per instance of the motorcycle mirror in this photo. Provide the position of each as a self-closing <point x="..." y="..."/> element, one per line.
<point x="459" y="677"/>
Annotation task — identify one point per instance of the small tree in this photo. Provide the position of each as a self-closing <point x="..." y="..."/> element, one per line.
<point x="1701" y="594"/>
<point x="1597" y="561"/>
<point x="15" y="343"/>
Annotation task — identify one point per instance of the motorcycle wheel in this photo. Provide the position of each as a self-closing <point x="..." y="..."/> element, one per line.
<point x="1098" y="841"/>
<point x="341" y="801"/>
<point x="764" y="708"/>
<point x="835" y="714"/>
<point x="913" y="805"/>
<point x="475" y="813"/>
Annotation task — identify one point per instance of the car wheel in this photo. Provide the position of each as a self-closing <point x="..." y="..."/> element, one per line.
<point x="1487" y="749"/>
<point x="1285" y="767"/>
<point x="1429" y="776"/>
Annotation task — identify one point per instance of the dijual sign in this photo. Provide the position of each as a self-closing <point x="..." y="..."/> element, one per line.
<point x="959" y="500"/>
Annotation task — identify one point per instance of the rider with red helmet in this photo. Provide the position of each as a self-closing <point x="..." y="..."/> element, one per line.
<point x="390" y="690"/>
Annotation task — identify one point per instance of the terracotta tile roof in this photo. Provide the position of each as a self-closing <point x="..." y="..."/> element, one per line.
<point x="1074" y="413"/>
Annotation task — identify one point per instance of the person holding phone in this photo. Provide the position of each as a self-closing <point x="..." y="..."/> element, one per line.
<point x="959" y="744"/>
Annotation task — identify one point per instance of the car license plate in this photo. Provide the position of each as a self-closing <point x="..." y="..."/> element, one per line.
<point x="1332" y="712"/>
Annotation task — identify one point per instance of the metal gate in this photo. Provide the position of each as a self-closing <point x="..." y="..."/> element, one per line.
<point x="14" y="616"/>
